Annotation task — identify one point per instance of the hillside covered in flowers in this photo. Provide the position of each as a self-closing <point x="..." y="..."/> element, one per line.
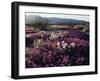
<point x="56" y="45"/>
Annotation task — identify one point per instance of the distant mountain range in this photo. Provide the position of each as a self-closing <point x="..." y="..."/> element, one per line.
<point x="55" y="20"/>
<point x="51" y="20"/>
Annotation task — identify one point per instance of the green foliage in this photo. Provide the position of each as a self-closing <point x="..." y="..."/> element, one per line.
<point x="40" y="22"/>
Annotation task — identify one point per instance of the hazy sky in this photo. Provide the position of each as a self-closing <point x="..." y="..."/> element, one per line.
<point x="71" y="16"/>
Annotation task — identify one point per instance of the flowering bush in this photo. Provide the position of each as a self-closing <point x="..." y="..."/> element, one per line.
<point x="61" y="48"/>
